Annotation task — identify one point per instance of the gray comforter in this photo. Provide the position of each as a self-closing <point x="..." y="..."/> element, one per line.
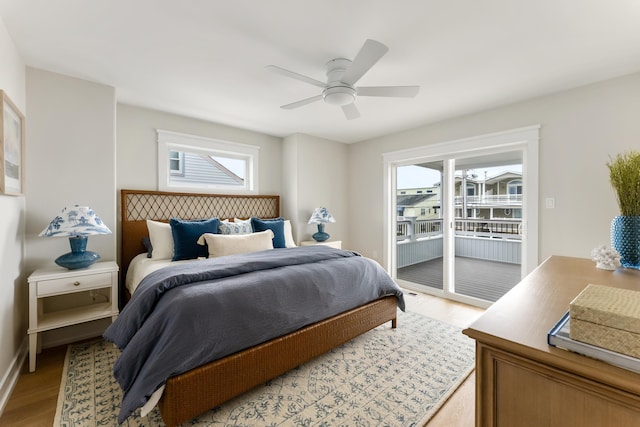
<point x="183" y="316"/>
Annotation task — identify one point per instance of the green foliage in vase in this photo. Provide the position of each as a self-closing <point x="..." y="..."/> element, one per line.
<point x="624" y="174"/>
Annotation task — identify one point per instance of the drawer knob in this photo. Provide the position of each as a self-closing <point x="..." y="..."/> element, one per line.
<point x="76" y="283"/>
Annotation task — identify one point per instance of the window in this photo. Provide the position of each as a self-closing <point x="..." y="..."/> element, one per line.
<point x="176" y="161"/>
<point x="199" y="164"/>
<point x="471" y="189"/>
<point x="514" y="187"/>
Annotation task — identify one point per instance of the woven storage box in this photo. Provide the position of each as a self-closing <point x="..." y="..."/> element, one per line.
<point x="607" y="317"/>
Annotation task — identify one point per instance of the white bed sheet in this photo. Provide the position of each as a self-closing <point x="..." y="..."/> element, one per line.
<point x="140" y="266"/>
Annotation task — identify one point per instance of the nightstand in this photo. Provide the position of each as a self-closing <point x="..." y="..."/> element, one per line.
<point x="333" y="243"/>
<point x="52" y="281"/>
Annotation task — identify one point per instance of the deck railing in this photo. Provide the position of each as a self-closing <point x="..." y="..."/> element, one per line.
<point x="500" y="200"/>
<point x="502" y="228"/>
<point x="421" y="240"/>
<point x="413" y="229"/>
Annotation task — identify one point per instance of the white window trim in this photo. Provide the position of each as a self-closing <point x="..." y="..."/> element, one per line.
<point x="175" y="141"/>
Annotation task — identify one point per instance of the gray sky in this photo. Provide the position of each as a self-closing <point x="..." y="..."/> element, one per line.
<point x="416" y="176"/>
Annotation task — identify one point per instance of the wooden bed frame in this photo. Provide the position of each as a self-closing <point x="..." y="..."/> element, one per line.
<point x="203" y="388"/>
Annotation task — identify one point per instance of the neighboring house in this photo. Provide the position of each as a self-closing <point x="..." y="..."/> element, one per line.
<point x="494" y="197"/>
<point x="421" y="203"/>
<point x="497" y="197"/>
<point x="189" y="167"/>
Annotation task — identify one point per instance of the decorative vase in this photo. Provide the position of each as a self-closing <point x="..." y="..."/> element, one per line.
<point x="79" y="257"/>
<point x="625" y="238"/>
<point x="320" y="236"/>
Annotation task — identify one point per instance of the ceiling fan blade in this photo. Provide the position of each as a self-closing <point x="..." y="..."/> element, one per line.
<point x="369" y="54"/>
<point x="295" y="75"/>
<point x="394" y="91"/>
<point x="351" y="111"/>
<point x="302" y="102"/>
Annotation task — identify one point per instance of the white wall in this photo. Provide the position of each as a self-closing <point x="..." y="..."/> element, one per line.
<point x="137" y="148"/>
<point x="13" y="290"/>
<point x="291" y="186"/>
<point x="580" y="129"/>
<point x="71" y="152"/>
<point x="315" y="175"/>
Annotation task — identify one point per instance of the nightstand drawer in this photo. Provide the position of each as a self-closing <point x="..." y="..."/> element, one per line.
<point x="74" y="284"/>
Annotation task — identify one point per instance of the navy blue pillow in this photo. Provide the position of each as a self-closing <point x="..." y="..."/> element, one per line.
<point x="275" y="225"/>
<point x="146" y="242"/>
<point x="186" y="234"/>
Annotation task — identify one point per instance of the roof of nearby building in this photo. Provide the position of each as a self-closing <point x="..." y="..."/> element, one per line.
<point x="504" y="175"/>
<point x="414" y="199"/>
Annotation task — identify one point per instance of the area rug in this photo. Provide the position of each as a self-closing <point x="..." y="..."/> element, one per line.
<point x="386" y="377"/>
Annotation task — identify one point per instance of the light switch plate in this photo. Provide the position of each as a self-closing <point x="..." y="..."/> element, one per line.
<point x="550" y="203"/>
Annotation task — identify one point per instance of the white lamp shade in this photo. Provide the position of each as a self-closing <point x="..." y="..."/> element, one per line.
<point x="320" y="216"/>
<point x="76" y="221"/>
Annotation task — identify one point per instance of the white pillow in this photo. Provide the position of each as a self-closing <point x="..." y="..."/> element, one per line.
<point x="230" y="244"/>
<point x="288" y="236"/>
<point x="161" y="239"/>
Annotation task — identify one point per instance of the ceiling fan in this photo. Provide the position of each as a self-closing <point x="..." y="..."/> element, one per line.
<point x="342" y="75"/>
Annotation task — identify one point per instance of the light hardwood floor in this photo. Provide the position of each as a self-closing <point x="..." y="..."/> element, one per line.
<point x="33" y="401"/>
<point x="459" y="410"/>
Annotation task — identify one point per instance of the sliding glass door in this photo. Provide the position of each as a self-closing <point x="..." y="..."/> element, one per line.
<point x="459" y="220"/>
<point x="487" y="226"/>
<point x="419" y="230"/>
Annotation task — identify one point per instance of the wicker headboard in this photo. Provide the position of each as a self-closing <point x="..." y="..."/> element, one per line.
<point x="136" y="206"/>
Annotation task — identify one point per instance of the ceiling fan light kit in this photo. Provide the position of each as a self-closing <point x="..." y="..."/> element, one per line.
<point x="342" y="75"/>
<point x="339" y="95"/>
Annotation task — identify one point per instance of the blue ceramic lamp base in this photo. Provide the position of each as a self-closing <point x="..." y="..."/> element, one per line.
<point x="79" y="257"/>
<point x="320" y="236"/>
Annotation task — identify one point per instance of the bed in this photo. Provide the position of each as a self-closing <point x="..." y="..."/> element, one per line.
<point x="201" y="388"/>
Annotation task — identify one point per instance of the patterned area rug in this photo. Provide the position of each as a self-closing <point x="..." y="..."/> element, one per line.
<point x="386" y="377"/>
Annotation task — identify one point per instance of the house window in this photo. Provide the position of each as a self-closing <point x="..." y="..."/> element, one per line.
<point x="176" y="162"/>
<point x="199" y="164"/>
<point x="471" y="189"/>
<point x="514" y="187"/>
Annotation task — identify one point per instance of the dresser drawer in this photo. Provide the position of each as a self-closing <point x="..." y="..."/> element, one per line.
<point x="73" y="284"/>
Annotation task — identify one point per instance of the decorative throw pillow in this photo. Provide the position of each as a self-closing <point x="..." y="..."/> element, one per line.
<point x="161" y="239"/>
<point x="146" y="242"/>
<point x="235" y="227"/>
<point x="186" y="234"/>
<point x="231" y="244"/>
<point x="275" y="225"/>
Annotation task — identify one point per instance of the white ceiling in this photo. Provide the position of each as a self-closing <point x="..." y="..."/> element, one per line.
<point x="206" y="58"/>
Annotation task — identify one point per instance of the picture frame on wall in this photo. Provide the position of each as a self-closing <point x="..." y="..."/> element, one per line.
<point x="11" y="148"/>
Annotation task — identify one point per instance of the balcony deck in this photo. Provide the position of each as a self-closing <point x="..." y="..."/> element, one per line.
<point x="487" y="280"/>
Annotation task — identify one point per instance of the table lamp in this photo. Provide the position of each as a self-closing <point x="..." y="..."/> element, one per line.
<point x="320" y="216"/>
<point x="76" y="223"/>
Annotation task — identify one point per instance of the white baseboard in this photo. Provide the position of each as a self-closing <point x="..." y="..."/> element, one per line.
<point x="10" y="377"/>
<point x="55" y="338"/>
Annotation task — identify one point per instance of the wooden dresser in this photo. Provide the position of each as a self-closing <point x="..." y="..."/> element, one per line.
<point x="522" y="381"/>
